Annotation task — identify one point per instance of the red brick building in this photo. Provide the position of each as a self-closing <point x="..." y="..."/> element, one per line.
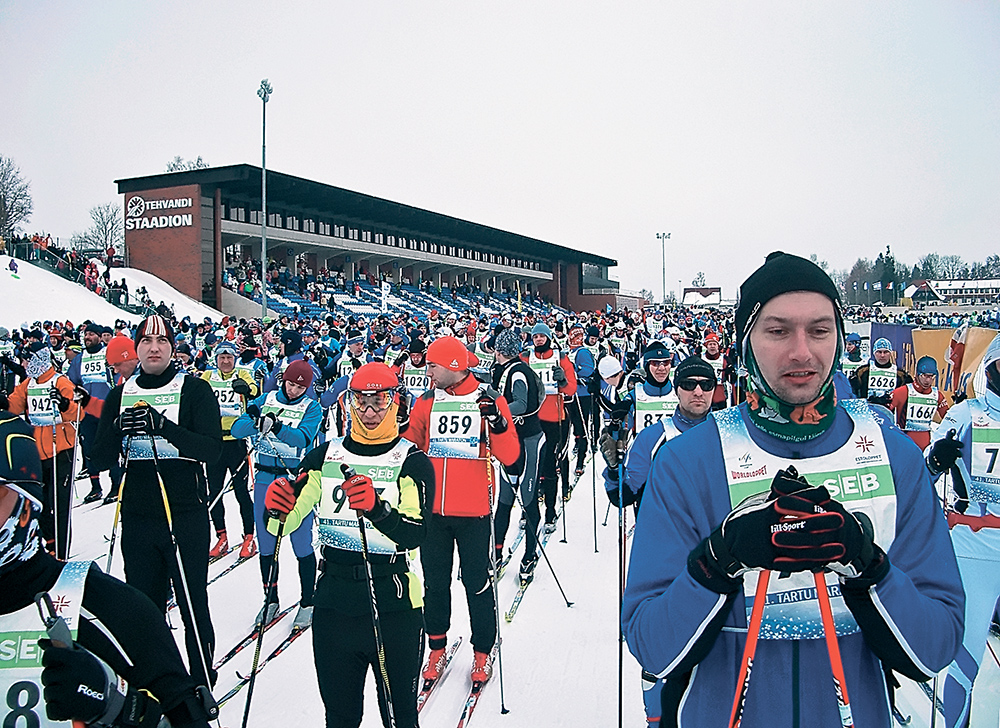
<point x="184" y="226"/>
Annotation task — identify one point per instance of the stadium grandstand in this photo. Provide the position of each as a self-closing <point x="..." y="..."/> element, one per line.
<point x="200" y="230"/>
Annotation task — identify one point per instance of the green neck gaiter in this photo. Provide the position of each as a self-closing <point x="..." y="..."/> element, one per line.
<point x="793" y="423"/>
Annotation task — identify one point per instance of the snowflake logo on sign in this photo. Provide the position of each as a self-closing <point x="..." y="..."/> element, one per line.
<point x="136" y="206"/>
<point x="60" y="604"/>
<point x="864" y="444"/>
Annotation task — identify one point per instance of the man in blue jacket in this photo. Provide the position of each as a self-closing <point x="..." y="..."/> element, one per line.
<point x="792" y="481"/>
<point x="966" y="445"/>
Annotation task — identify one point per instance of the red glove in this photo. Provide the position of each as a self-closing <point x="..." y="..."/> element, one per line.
<point x="361" y="492"/>
<point x="280" y="496"/>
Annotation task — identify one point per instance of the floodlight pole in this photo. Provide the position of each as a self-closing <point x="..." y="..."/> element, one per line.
<point x="264" y="92"/>
<point x="663" y="237"/>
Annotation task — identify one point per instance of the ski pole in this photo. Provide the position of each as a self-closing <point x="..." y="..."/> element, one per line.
<point x="607" y="514"/>
<point x="493" y="549"/>
<point x="548" y="563"/>
<point x="830" y="632"/>
<point x="55" y="485"/>
<point x="118" y="505"/>
<point x="593" y="489"/>
<point x="232" y="477"/>
<point x="205" y="694"/>
<point x="349" y="473"/>
<point x="565" y="472"/>
<point x="268" y="593"/>
<point x="620" y="447"/>
<point x="749" y="649"/>
<point x="934" y="698"/>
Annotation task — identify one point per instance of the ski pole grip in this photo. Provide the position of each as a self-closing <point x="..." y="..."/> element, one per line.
<point x="951" y="434"/>
<point x="298" y="483"/>
<point x="348" y="471"/>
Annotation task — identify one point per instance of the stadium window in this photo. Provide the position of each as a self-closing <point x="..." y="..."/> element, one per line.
<point x="352" y="233"/>
<point x="366" y="236"/>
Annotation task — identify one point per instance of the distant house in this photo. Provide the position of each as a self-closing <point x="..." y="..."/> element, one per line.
<point x="956" y="292"/>
<point x="702" y="297"/>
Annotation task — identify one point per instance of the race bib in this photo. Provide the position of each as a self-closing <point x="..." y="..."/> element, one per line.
<point x="455" y="427"/>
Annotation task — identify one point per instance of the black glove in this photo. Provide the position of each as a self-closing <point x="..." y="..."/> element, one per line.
<point x="401" y="359"/>
<point x="490" y="412"/>
<point x="783" y="529"/>
<point x="403" y="413"/>
<point x="4" y="401"/>
<point x="959" y="396"/>
<point x="140" y="420"/>
<point x="6" y="360"/>
<point x="319" y="386"/>
<point x="620" y="411"/>
<point x="558" y="375"/>
<point x="944" y="453"/>
<point x="594" y="384"/>
<point x="321" y="358"/>
<point x="78" y="686"/>
<point x="241" y="387"/>
<point x="58" y="399"/>
<point x="355" y="362"/>
<point x="883" y="399"/>
<point x="611" y="447"/>
<point x="254" y="411"/>
<point x="81" y="396"/>
<point x="268" y="422"/>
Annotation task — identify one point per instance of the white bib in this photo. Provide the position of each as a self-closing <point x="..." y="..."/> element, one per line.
<point x="338" y="523"/>
<point x="985" y="485"/>
<point x="858" y="475"/>
<point x="650" y="409"/>
<point x="93" y="367"/>
<point x="880" y="381"/>
<point x="543" y="368"/>
<point x="21" y="702"/>
<point x="41" y="409"/>
<point x="289" y="415"/>
<point x="455" y="426"/>
<point x="920" y="409"/>
<point x="167" y="401"/>
<point x="230" y="403"/>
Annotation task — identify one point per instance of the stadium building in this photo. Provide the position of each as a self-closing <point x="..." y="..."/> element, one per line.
<point x="186" y="227"/>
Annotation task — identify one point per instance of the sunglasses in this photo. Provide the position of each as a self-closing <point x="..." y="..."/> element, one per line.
<point x="689" y="385"/>
<point x="377" y="401"/>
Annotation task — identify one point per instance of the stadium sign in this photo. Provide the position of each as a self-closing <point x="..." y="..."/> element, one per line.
<point x="138" y="217"/>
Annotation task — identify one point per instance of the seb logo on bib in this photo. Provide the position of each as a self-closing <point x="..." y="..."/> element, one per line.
<point x="851" y="485"/>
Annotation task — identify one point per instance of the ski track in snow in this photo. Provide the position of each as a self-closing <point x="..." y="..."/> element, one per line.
<point x="560" y="665"/>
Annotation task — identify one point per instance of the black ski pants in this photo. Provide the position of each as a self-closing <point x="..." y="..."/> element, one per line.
<point x="579" y="414"/>
<point x="54" y="520"/>
<point x="151" y="566"/>
<point x="472" y="535"/>
<point x="556" y="437"/>
<point x="233" y="460"/>
<point x="344" y="649"/>
<point x="527" y="483"/>
<point x="87" y="434"/>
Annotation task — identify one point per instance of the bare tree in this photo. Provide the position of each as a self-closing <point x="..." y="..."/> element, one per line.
<point x="821" y="263"/>
<point x="108" y="230"/>
<point x="181" y="165"/>
<point x="952" y="266"/>
<point x="15" y="198"/>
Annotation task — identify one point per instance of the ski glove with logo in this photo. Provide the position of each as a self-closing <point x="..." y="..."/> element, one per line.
<point x="612" y="448"/>
<point x="141" y="420"/>
<point x="361" y="492"/>
<point x="78" y="686"/>
<point x="490" y="411"/>
<point x="959" y="396"/>
<point x="81" y="396"/>
<point x="782" y="529"/>
<point x="558" y="375"/>
<point x="282" y="493"/>
<point x="944" y="453"/>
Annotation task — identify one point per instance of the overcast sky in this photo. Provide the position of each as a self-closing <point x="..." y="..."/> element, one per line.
<point x="814" y="127"/>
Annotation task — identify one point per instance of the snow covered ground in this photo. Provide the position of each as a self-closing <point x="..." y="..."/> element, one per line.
<point x="560" y="665"/>
<point x="37" y="294"/>
<point x="159" y="290"/>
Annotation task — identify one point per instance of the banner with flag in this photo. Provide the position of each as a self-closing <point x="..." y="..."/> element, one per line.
<point x="956" y="352"/>
<point x="607" y="308"/>
<point x="889" y="287"/>
<point x="386" y="288"/>
<point x="877" y="286"/>
<point x="866" y="285"/>
<point x="855" y="285"/>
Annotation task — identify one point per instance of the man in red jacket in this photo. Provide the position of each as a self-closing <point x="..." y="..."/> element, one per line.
<point x="559" y="377"/>
<point x="461" y="424"/>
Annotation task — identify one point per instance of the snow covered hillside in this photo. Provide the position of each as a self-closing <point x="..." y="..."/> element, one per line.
<point x="160" y="290"/>
<point x="38" y="294"/>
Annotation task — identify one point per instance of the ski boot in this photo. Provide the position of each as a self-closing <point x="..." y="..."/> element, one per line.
<point x="93" y="496"/>
<point x="436" y="661"/>
<point x="249" y="547"/>
<point x="527" y="572"/>
<point x="303" y="618"/>
<point x="482" y="668"/>
<point x="221" y="547"/>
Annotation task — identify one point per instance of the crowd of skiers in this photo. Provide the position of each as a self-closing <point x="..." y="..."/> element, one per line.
<point x="747" y="442"/>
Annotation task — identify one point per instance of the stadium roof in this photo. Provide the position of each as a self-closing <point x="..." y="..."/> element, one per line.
<point x="242" y="181"/>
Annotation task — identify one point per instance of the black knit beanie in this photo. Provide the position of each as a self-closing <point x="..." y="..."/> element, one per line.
<point x="781" y="273"/>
